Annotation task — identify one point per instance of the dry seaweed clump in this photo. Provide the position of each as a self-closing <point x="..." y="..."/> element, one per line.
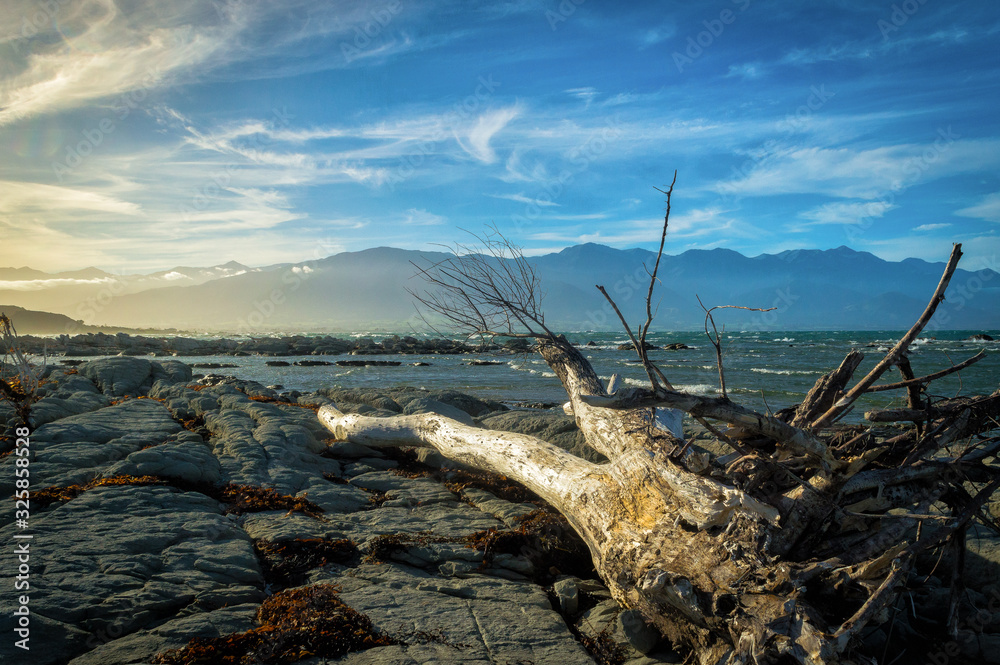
<point x="249" y="499"/>
<point x="286" y="562"/>
<point x="294" y="624"/>
<point x="48" y="496"/>
<point x="381" y="548"/>
<point x="499" y="486"/>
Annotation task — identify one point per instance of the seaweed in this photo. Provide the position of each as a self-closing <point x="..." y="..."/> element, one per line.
<point x="381" y="548"/>
<point x="46" y="497"/>
<point x="500" y="486"/>
<point x="251" y="499"/>
<point x="294" y="624"/>
<point x="286" y="562"/>
<point x="241" y="499"/>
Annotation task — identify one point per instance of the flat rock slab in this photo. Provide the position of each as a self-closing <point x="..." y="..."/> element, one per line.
<point x="116" y="559"/>
<point x="141" y="646"/>
<point x="79" y="448"/>
<point x="483" y="619"/>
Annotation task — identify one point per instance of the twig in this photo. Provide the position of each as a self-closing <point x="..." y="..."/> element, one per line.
<point x="716" y="338"/>
<point x="929" y="377"/>
<point x="845" y="404"/>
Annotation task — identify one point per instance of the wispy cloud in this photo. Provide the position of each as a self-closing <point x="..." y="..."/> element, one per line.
<point x="845" y="212"/>
<point x="420" y="217"/>
<point x="747" y="71"/>
<point x="476" y="141"/>
<point x="988" y="209"/>
<point x="931" y="227"/>
<point x="521" y="198"/>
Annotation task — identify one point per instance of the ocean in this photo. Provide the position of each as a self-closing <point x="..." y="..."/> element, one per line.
<point x="764" y="369"/>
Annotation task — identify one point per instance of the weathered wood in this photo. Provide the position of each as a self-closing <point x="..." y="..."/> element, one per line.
<point x="929" y="377"/>
<point x="754" y="560"/>
<point x="827" y="391"/>
<point x="845" y="404"/>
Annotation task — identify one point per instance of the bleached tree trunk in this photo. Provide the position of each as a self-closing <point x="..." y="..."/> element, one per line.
<point x="681" y="547"/>
<point x="757" y="561"/>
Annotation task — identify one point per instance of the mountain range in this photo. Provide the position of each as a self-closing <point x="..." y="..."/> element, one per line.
<point x="367" y="290"/>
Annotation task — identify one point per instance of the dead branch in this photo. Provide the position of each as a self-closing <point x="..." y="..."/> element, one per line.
<point x="715" y="337"/>
<point x="929" y="377"/>
<point x="845" y="404"/>
<point x="754" y="560"/>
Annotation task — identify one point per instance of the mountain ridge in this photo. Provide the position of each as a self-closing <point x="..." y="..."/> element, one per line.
<point x="810" y="289"/>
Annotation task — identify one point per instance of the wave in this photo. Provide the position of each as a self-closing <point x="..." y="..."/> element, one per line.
<point x="785" y="372"/>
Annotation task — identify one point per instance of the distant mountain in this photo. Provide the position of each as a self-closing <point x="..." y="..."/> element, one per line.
<point x="808" y="289"/>
<point x="28" y="322"/>
<point x="84" y="294"/>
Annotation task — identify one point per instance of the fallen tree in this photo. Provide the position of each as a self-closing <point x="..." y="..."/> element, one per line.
<point x="780" y="555"/>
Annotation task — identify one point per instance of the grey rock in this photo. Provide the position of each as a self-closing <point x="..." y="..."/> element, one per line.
<point x="186" y="459"/>
<point x="497" y="621"/>
<point x="556" y="428"/>
<point x="505" y="511"/>
<point x="79" y="448"/>
<point x="640" y="635"/>
<point x="568" y="594"/>
<point x="118" y="559"/>
<point x="427" y="405"/>
<point x="120" y="377"/>
<point x="141" y="646"/>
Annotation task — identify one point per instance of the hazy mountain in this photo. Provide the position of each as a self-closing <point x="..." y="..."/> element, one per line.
<point x="29" y="322"/>
<point x="809" y="289"/>
<point x="83" y="294"/>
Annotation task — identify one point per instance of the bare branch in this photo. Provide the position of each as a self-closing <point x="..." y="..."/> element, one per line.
<point x="929" y="377"/>
<point x="489" y="290"/>
<point x="715" y="337"/>
<point x="845" y="405"/>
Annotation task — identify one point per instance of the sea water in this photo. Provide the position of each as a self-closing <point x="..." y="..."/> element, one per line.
<point x="764" y="370"/>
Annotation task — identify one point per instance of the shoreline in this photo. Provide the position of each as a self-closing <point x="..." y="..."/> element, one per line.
<point x="166" y="509"/>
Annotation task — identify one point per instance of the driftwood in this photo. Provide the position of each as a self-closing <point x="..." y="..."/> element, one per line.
<point x="781" y="556"/>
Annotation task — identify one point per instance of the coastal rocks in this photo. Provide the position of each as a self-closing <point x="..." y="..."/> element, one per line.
<point x="79" y="448"/>
<point x="130" y="570"/>
<point x="131" y="377"/>
<point x="141" y="646"/>
<point x="188" y="458"/>
<point x="628" y="346"/>
<point x="396" y="399"/>
<point x="427" y="405"/>
<point x="369" y="363"/>
<point x="481" y="619"/>
<point x="626" y="630"/>
<point x="982" y="337"/>
<point x="117" y="559"/>
<point x="556" y="428"/>
<point x="102" y="344"/>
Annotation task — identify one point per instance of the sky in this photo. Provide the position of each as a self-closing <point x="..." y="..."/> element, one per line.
<point x="140" y="135"/>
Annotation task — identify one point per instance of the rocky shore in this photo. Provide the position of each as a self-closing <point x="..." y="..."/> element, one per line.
<point x="165" y="509"/>
<point x="103" y="344"/>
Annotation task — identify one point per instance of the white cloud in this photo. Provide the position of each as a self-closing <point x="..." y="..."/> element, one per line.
<point x="988" y="208"/>
<point x="421" y="217"/>
<point x="931" y="227"/>
<point x="846" y="212"/>
<point x="41" y="284"/>
<point x="521" y="198"/>
<point x="22" y="197"/>
<point x="747" y="71"/>
<point x="863" y="173"/>
<point x="477" y="141"/>
<point x="587" y="94"/>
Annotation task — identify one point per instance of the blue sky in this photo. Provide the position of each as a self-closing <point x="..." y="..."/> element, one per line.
<point x="142" y="135"/>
